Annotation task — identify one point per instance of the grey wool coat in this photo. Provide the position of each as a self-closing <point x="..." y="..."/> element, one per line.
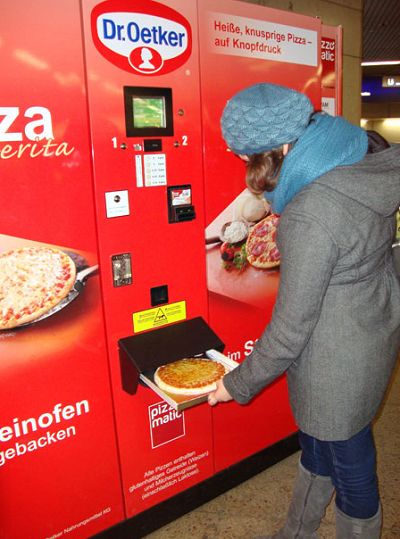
<point x="335" y="327"/>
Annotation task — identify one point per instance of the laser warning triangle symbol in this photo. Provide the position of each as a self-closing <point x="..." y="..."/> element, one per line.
<point x="160" y="316"/>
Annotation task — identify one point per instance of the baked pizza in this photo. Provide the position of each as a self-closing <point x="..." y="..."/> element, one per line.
<point x="261" y="248"/>
<point x="33" y="280"/>
<point x="189" y="376"/>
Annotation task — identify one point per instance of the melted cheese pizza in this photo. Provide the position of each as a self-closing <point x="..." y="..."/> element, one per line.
<point x="189" y="376"/>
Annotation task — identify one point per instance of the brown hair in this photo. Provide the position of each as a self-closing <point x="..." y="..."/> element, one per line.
<point x="262" y="170"/>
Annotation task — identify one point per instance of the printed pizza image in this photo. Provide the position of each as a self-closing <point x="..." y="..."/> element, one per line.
<point x="189" y="376"/>
<point x="33" y="280"/>
<point x="261" y="248"/>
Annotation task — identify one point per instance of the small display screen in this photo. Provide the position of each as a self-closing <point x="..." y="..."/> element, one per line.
<point x="149" y="112"/>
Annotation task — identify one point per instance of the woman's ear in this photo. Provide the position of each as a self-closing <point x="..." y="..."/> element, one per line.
<point x="285" y="149"/>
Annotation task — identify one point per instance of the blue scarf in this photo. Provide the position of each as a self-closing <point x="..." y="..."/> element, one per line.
<point x="328" y="142"/>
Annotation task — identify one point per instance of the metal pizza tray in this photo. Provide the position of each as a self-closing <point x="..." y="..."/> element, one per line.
<point x="141" y="354"/>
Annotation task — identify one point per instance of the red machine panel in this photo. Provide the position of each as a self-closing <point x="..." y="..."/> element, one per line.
<point x="240" y="45"/>
<point x="331" y="63"/>
<point x="58" y="460"/>
<point x="144" y="107"/>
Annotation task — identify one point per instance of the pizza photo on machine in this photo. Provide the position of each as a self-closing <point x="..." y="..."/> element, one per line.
<point x="249" y="239"/>
<point x="246" y="270"/>
<point x="261" y="249"/>
<point x="38" y="281"/>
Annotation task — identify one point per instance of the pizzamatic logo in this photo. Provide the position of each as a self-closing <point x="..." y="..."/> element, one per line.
<point x="151" y="40"/>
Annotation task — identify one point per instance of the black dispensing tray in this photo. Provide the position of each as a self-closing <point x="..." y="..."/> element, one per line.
<point x="140" y="356"/>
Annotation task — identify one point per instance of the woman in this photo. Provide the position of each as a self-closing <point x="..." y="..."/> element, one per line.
<point x="335" y="327"/>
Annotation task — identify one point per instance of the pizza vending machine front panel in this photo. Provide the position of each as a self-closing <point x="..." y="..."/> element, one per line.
<point x="144" y="97"/>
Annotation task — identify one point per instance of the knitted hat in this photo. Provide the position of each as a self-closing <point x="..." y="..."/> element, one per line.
<point x="263" y="117"/>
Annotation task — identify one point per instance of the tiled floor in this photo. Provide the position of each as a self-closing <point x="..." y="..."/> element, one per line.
<point x="259" y="505"/>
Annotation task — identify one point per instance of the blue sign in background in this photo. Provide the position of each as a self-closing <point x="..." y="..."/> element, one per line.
<point x="378" y="92"/>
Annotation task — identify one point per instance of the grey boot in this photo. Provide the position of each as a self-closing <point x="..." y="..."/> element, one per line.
<point x="358" y="528"/>
<point x="311" y="495"/>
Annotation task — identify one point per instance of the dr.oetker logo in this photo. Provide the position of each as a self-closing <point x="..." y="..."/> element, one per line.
<point x="152" y="40"/>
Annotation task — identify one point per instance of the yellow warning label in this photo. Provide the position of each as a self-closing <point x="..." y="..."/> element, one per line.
<point x="159" y="316"/>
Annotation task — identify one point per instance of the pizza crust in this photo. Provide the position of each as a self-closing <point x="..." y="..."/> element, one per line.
<point x="189" y="376"/>
<point x="262" y="264"/>
<point x="33" y="280"/>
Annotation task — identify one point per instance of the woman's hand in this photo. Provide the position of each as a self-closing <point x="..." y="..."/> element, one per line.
<point x="219" y="395"/>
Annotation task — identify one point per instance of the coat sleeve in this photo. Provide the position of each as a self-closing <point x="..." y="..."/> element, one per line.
<point x="308" y="256"/>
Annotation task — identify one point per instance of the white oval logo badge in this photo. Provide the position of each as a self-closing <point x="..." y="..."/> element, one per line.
<point x="153" y="39"/>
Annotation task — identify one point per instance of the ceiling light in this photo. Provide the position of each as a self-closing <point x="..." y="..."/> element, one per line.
<point x="392" y="122"/>
<point x="382" y="63"/>
<point x="365" y="94"/>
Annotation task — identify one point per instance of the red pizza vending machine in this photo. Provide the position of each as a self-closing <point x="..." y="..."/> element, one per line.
<point x="59" y="470"/>
<point x="113" y="163"/>
<point x="241" y="45"/>
<point x="159" y="165"/>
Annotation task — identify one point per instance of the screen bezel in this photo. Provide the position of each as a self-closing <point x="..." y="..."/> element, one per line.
<point x="143" y="92"/>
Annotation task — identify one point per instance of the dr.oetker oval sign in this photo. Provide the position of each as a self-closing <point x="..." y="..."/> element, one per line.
<point x="151" y="40"/>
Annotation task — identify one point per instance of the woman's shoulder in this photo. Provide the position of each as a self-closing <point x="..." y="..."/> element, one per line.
<point x="316" y="201"/>
<point x="320" y="208"/>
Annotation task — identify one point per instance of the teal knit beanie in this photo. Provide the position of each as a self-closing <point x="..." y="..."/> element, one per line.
<point x="264" y="116"/>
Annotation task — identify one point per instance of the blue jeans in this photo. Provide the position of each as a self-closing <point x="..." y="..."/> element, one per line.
<point x="351" y="464"/>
